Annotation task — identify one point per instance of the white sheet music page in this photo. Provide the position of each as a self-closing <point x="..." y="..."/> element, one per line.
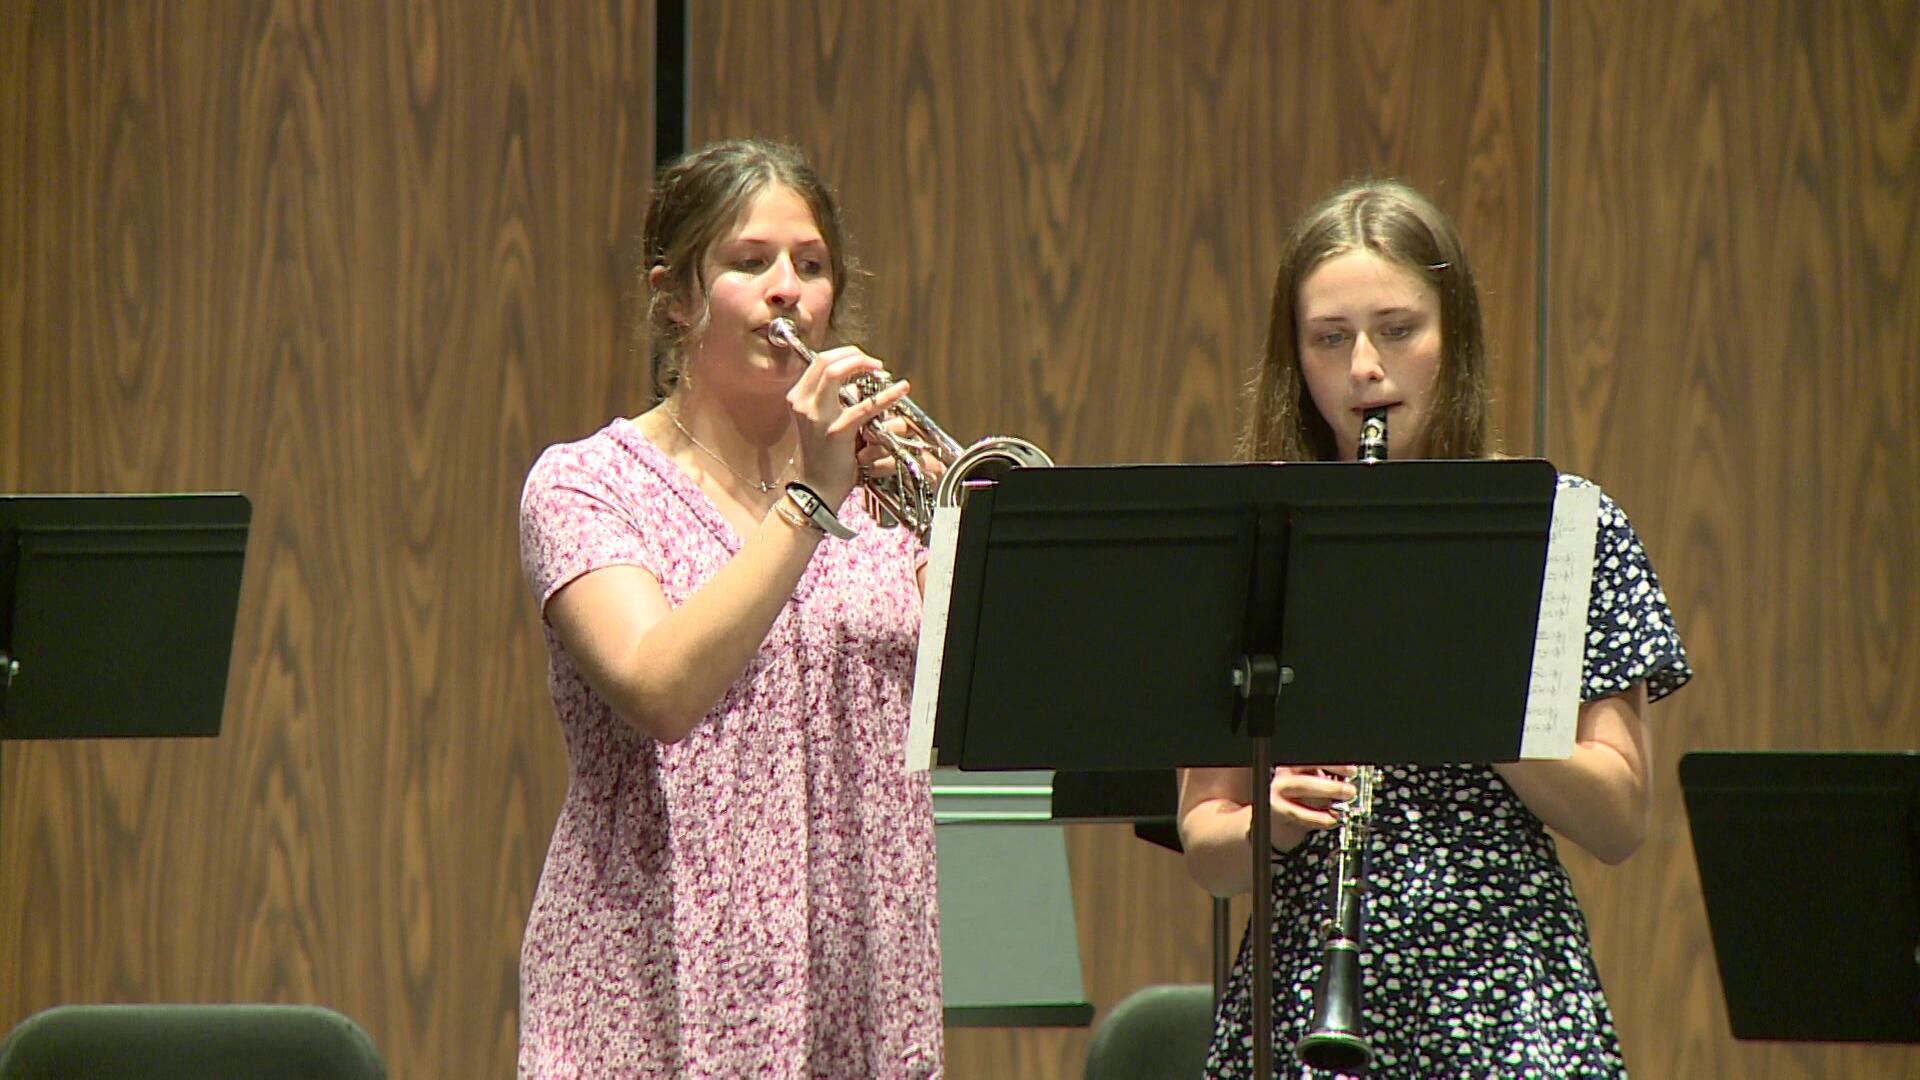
<point x="1560" y="641"/>
<point x="933" y="637"/>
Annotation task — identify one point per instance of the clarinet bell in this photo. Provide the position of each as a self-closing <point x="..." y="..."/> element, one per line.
<point x="1334" y="1040"/>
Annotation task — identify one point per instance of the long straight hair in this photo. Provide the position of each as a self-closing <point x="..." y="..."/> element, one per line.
<point x="1394" y="222"/>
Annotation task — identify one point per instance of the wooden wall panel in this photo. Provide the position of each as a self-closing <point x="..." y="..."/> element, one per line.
<point x="1073" y="211"/>
<point x="1073" y="214"/>
<point x="362" y="260"/>
<point x="358" y="260"/>
<point x="1735" y="263"/>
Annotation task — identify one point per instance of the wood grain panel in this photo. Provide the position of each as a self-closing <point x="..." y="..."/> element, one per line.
<point x="13" y="225"/>
<point x="1073" y="211"/>
<point x="360" y="261"/>
<point x="1073" y="214"/>
<point x="1736" y="255"/>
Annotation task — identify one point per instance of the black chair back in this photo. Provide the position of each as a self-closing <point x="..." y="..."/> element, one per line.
<point x="189" y="1042"/>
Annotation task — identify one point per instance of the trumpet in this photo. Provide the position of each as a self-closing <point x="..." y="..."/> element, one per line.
<point x="909" y="496"/>
<point x="1336" y="1037"/>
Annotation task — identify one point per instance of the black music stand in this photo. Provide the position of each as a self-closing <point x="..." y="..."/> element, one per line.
<point x="1810" y="871"/>
<point x="117" y="612"/>
<point x="1150" y="802"/>
<point x="1158" y="616"/>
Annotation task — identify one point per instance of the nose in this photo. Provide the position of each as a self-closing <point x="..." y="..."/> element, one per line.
<point x="783" y="283"/>
<point x="1364" y="366"/>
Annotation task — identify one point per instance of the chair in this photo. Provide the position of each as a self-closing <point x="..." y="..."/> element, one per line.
<point x="189" y="1042"/>
<point x="1156" y="1033"/>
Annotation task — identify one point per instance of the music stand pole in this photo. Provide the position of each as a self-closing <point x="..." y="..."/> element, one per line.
<point x="1258" y="680"/>
<point x="1262" y="843"/>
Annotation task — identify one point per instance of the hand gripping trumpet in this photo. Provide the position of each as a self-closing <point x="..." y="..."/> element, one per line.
<point x="909" y="496"/>
<point x="1336" y="1037"/>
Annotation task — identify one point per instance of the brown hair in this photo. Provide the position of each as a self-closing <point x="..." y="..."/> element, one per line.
<point x="1395" y="222"/>
<point x="696" y="200"/>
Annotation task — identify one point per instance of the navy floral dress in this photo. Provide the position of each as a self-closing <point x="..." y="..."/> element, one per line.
<point x="1476" y="961"/>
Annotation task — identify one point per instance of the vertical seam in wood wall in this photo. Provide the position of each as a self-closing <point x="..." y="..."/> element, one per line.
<point x="1542" y="153"/>
<point x="669" y="80"/>
<point x="672" y="44"/>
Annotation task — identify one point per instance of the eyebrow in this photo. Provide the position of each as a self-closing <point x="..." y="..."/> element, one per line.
<point x="817" y="241"/>
<point x="1377" y="312"/>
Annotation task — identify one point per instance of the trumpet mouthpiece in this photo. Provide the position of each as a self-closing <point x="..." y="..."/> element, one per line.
<point x="783" y="334"/>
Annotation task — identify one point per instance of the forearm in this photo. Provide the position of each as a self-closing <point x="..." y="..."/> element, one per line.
<point x="1216" y="830"/>
<point x="1599" y="797"/>
<point x="1214" y="838"/>
<point x="1590" y="798"/>
<point x="673" y="674"/>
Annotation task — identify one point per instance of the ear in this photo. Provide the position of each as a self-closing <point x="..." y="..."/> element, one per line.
<point x="675" y="305"/>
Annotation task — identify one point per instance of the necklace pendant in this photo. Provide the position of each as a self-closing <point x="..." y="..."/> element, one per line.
<point x="763" y="486"/>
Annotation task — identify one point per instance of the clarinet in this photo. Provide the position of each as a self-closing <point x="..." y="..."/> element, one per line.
<point x="1336" y="1038"/>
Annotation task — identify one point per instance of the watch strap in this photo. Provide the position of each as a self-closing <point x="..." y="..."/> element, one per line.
<point x="816" y="510"/>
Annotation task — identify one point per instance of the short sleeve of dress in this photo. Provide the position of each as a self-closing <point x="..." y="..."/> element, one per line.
<point x="573" y="519"/>
<point x="1631" y="636"/>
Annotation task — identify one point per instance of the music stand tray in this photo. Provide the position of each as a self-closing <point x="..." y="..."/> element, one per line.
<point x="117" y="613"/>
<point x="1808" y="867"/>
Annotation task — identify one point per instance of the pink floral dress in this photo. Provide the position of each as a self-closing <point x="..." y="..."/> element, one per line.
<point x="757" y="899"/>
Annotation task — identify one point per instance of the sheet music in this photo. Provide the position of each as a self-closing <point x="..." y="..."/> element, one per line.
<point x="933" y="637"/>
<point x="1560" y="640"/>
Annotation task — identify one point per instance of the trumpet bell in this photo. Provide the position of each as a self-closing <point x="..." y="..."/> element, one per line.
<point x="988" y="459"/>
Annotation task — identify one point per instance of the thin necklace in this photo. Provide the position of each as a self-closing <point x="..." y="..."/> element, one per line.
<point x="764" y="487"/>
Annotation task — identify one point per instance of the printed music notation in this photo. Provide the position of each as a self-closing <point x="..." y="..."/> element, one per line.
<point x="1559" y="644"/>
